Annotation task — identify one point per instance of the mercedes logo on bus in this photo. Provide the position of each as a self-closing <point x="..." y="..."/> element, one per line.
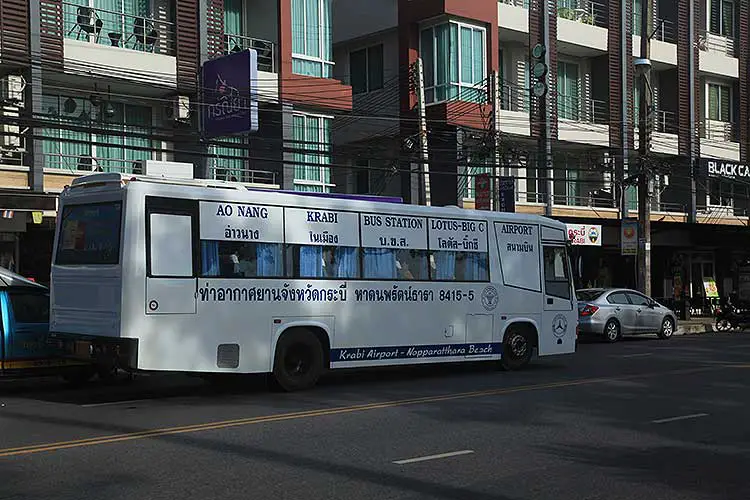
<point x="559" y="325"/>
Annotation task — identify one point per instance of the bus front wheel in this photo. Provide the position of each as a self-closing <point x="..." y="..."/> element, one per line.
<point x="298" y="362"/>
<point x="518" y="348"/>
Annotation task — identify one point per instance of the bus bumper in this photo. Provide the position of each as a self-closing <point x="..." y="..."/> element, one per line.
<point x="105" y="352"/>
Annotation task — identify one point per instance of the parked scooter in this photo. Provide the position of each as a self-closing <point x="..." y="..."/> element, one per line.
<point x="730" y="317"/>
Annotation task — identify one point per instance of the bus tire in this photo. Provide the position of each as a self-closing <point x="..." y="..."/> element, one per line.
<point x="79" y="375"/>
<point x="298" y="362"/>
<point x="518" y="347"/>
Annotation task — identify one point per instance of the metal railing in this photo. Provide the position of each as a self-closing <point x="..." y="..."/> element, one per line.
<point x="85" y="163"/>
<point x="243" y="175"/>
<point x="719" y="131"/>
<point x="584" y="12"/>
<point x="516" y="3"/>
<point x="663" y="30"/>
<point x="712" y="42"/>
<point x="514" y="98"/>
<point x="664" y="122"/>
<point x="117" y="29"/>
<point x="579" y="109"/>
<point x="266" y="50"/>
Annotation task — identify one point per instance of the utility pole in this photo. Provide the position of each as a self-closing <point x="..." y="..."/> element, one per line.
<point x="644" y="146"/>
<point x="424" y="173"/>
<point x="549" y="170"/>
<point x="495" y="181"/>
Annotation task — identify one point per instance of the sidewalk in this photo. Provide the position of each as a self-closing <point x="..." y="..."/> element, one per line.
<point x="695" y="326"/>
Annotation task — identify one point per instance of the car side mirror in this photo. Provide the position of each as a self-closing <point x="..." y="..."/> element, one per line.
<point x="652" y="304"/>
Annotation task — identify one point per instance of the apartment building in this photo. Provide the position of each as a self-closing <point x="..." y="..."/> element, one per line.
<point x="698" y="55"/>
<point x="105" y="85"/>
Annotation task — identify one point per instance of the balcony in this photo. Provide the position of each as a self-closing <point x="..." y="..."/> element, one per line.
<point x="718" y="55"/>
<point x="582" y="27"/>
<point x="665" y="138"/>
<point x="105" y="43"/>
<point x="266" y="50"/>
<point x="218" y="171"/>
<point x="583" y="120"/>
<point x="720" y="139"/>
<point x="513" y="19"/>
<point x="514" y="109"/>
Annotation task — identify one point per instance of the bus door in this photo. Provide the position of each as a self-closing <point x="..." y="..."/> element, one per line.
<point x="171" y="262"/>
<point x="560" y="311"/>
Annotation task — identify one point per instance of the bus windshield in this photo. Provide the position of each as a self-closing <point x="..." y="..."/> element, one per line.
<point x="89" y="234"/>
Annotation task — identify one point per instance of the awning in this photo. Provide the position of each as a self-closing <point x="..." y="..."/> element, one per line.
<point x="13" y="200"/>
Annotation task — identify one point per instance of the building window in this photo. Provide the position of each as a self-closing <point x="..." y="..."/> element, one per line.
<point x="721" y="18"/>
<point x="116" y="141"/>
<point x="568" y="99"/>
<point x="366" y="69"/>
<point x="312" y="40"/>
<point x="312" y="157"/>
<point x="719" y="102"/>
<point x="227" y="163"/>
<point x="637" y="17"/>
<point x="454" y="62"/>
<point x="125" y="18"/>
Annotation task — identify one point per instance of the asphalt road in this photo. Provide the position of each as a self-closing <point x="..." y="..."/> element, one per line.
<point x="642" y="419"/>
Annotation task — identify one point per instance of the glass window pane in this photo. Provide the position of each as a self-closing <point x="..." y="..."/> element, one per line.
<point x="467" y="56"/>
<point x="298" y="26"/>
<point x="428" y="57"/>
<point x="358" y="71"/>
<point x="233" y="17"/>
<point x="453" y="55"/>
<point x="375" y="67"/>
<point x="326" y="31"/>
<point x="478" y="48"/>
<point x="441" y="54"/>
<point x="312" y="28"/>
<point x="713" y="102"/>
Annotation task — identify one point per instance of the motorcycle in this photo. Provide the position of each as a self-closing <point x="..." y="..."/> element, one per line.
<point x="728" y="318"/>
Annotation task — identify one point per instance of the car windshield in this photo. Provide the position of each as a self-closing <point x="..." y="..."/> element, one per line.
<point x="591" y="294"/>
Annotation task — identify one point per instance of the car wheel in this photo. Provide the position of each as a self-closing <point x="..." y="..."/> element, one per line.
<point x="667" y="328"/>
<point x="723" y="325"/>
<point x="612" y="331"/>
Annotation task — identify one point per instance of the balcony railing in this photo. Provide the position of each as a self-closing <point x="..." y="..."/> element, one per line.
<point x="266" y="50"/>
<point x="664" y="122"/>
<point x="583" y="11"/>
<point x="711" y="42"/>
<point x="514" y="98"/>
<point x="117" y="29"/>
<point x="664" y="30"/>
<point x="244" y="175"/>
<point x="517" y="3"/>
<point x="84" y="163"/>
<point x="578" y="109"/>
<point x="719" y="131"/>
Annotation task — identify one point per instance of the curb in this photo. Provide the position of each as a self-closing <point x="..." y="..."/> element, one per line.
<point x="695" y="329"/>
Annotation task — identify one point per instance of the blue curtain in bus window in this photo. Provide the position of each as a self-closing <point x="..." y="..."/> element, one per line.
<point x="380" y="263"/>
<point x="445" y="265"/>
<point x="210" y="258"/>
<point x="310" y="262"/>
<point x="348" y="264"/>
<point x="269" y="261"/>
<point x="475" y="267"/>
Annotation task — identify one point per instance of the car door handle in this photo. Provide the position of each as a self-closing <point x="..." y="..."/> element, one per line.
<point x="638" y="310"/>
<point x="618" y="309"/>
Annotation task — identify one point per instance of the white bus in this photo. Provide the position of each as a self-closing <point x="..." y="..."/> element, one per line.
<point x="208" y="278"/>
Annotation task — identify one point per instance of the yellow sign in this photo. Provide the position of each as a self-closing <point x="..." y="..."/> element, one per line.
<point x="709" y="285"/>
<point x="37" y="217"/>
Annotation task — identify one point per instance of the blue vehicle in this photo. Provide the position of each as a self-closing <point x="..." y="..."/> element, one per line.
<point x="25" y="345"/>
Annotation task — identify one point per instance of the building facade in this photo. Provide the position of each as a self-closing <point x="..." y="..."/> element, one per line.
<point x="699" y="119"/>
<point x="102" y="85"/>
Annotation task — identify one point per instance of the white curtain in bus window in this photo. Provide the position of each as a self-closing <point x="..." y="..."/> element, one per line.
<point x="518" y="246"/>
<point x="321" y="243"/>
<point x="556" y="277"/>
<point x="458" y="250"/>
<point x="395" y="247"/>
<point x="171" y="244"/>
<point x="241" y="240"/>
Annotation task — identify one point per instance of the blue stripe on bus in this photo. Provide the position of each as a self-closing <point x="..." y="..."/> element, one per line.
<point x="415" y="351"/>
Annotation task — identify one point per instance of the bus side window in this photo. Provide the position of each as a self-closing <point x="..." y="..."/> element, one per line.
<point x="556" y="275"/>
<point x="171" y="244"/>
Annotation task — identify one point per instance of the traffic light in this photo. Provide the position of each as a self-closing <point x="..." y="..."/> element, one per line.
<point x="538" y="71"/>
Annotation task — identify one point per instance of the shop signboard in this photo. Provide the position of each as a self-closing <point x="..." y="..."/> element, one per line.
<point x="722" y="169"/>
<point x="709" y="286"/>
<point x="483" y="191"/>
<point x="629" y="237"/>
<point x="584" y="234"/>
<point x="507" y="194"/>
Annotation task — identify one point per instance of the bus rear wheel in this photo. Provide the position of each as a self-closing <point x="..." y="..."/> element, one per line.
<point x="298" y="363"/>
<point x="518" y="348"/>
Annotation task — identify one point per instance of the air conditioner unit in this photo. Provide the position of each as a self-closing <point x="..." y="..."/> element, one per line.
<point x="178" y="109"/>
<point x="11" y="90"/>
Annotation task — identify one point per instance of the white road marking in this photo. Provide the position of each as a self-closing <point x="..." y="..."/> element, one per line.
<point x="636" y="355"/>
<point x="433" y="457"/>
<point x="682" y="417"/>
<point x="113" y="403"/>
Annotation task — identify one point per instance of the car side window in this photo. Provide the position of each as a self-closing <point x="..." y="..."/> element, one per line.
<point x="618" y="298"/>
<point x="638" y="300"/>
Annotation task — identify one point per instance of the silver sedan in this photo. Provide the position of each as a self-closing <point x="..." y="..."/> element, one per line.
<point x="614" y="312"/>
